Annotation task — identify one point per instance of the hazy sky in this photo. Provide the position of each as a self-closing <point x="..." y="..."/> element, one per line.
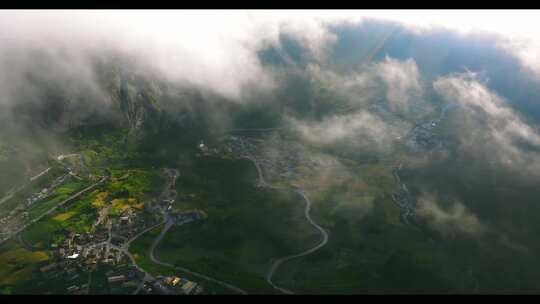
<point x="217" y="49"/>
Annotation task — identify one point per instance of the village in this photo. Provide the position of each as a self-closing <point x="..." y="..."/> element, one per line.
<point x="423" y="137"/>
<point x="106" y="246"/>
<point x="403" y="198"/>
<point x="276" y="161"/>
<point x="18" y="217"/>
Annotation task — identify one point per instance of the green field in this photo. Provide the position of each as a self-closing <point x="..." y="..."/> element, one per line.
<point x="140" y="250"/>
<point x="17" y="266"/>
<point x="245" y="228"/>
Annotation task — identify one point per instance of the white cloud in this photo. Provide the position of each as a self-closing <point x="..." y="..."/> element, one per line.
<point x="206" y="49"/>
<point x="448" y="221"/>
<point x="517" y="31"/>
<point x="356" y="88"/>
<point x="396" y="81"/>
<point x="526" y="50"/>
<point x="492" y="128"/>
<point x="402" y="82"/>
<point x="213" y="50"/>
<point x="216" y="50"/>
<point x="360" y="129"/>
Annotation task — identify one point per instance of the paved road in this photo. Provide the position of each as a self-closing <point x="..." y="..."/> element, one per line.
<point x="126" y="244"/>
<point x="261" y="182"/>
<point x="33" y="178"/>
<point x="147" y="276"/>
<point x="10" y="194"/>
<point x="322" y="242"/>
<point x="324" y="235"/>
<point x="14" y="190"/>
<point x="62" y="156"/>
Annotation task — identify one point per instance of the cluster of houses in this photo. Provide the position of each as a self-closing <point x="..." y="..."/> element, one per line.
<point x="13" y="220"/>
<point x="45" y="192"/>
<point x="422" y="136"/>
<point x="66" y="269"/>
<point x="131" y="223"/>
<point x="283" y="162"/>
<point x="172" y="285"/>
<point x="124" y="279"/>
<point x="18" y="216"/>
<point x="80" y="254"/>
<point x="403" y="199"/>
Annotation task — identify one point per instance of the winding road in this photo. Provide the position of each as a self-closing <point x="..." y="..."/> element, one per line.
<point x="324" y="235"/>
<point x="261" y="182"/>
<point x="321" y="243"/>
<point x="158" y="239"/>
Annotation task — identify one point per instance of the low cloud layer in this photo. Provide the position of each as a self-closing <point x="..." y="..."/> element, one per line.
<point x="362" y="128"/>
<point x="217" y="52"/>
<point x="210" y="50"/>
<point x="491" y="127"/>
<point x="397" y="81"/>
<point x="402" y="82"/>
<point x="455" y="219"/>
<point x="367" y="102"/>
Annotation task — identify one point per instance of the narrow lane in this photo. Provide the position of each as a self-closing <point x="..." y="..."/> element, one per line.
<point x="321" y="243"/>
<point x="324" y="235"/>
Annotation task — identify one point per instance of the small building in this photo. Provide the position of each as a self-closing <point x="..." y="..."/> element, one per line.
<point x="188" y="287"/>
<point x="116" y="279"/>
<point x="173" y="281"/>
